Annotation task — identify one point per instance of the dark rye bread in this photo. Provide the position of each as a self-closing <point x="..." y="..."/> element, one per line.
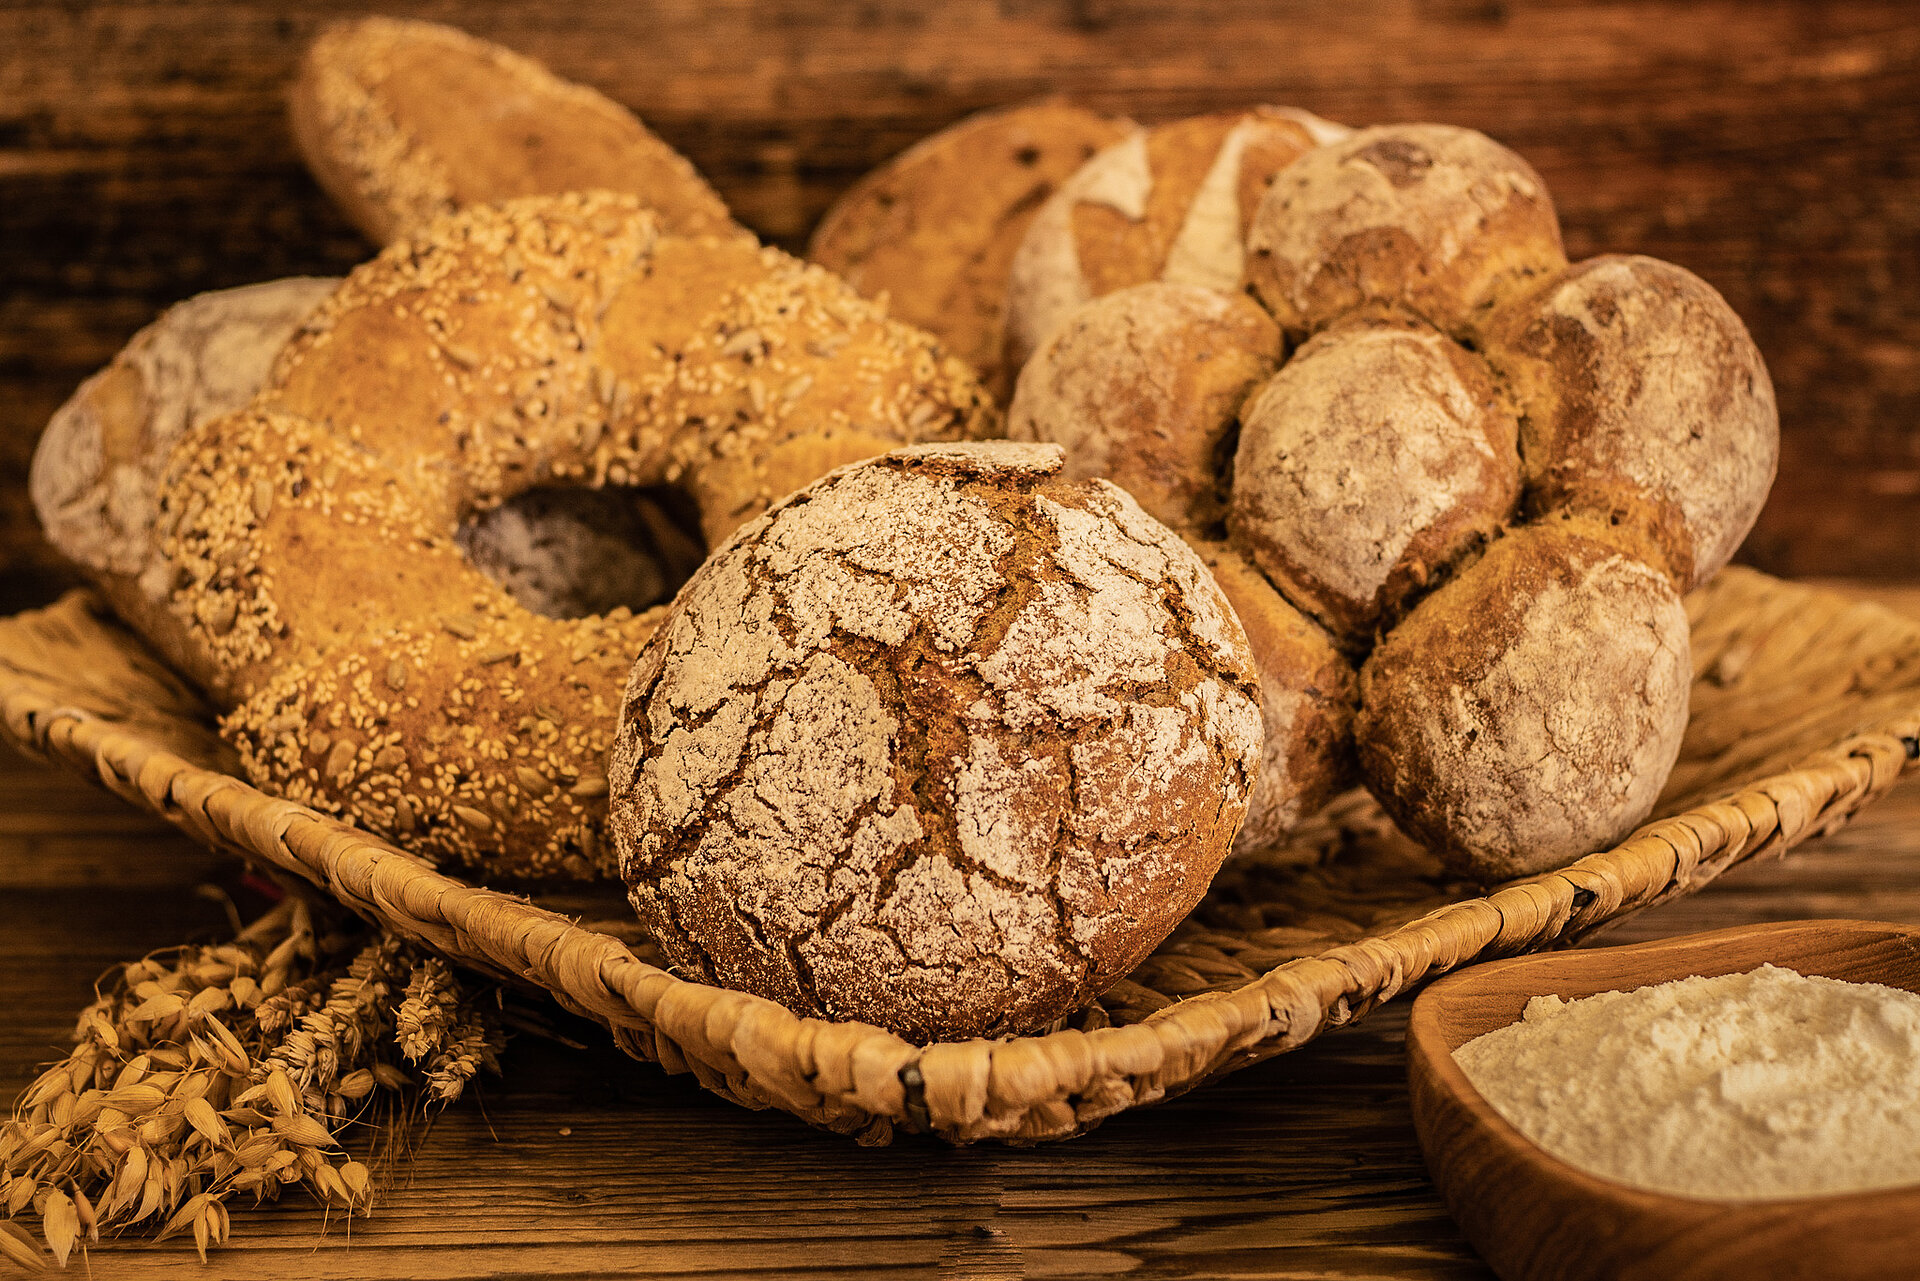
<point x="1529" y="710"/>
<point x="1645" y="401"/>
<point x="1379" y="456"/>
<point x="945" y="743"/>
<point x="935" y="228"/>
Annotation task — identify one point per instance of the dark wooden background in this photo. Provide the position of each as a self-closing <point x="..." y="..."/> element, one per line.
<point x="1772" y="147"/>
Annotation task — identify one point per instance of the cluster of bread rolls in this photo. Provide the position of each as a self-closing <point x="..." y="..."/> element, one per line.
<point x="1357" y="371"/>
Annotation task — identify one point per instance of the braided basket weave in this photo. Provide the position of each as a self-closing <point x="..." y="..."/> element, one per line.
<point x="1805" y="706"/>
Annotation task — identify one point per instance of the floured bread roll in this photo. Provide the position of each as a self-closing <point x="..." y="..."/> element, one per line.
<point x="1171" y="203"/>
<point x="945" y="742"/>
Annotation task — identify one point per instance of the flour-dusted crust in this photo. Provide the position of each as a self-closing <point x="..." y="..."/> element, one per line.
<point x="1645" y="400"/>
<point x="935" y="228"/>
<point x="318" y="589"/>
<point x="1171" y="203"/>
<point x="946" y="743"/>
<point x="1529" y="711"/>
<point x="1368" y="466"/>
<point x="1144" y="387"/>
<point x="403" y="121"/>
<point x="1441" y="221"/>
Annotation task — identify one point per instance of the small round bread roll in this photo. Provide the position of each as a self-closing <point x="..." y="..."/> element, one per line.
<point x="1367" y="466"/>
<point x="1144" y="387"/>
<point x="1170" y="203"/>
<point x="1529" y="711"/>
<point x="1444" y="222"/>
<point x="946" y="743"/>
<point x="935" y="227"/>
<point x="1645" y="400"/>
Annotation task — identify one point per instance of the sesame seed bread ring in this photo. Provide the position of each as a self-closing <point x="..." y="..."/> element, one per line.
<point x="402" y="121"/>
<point x="319" y="589"/>
<point x="1170" y="203"/>
<point x="935" y="227"/>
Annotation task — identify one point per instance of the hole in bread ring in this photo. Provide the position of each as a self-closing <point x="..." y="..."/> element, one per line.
<point x="322" y="590"/>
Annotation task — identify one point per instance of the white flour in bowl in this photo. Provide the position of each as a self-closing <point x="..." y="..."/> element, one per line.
<point x="1764" y="1084"/>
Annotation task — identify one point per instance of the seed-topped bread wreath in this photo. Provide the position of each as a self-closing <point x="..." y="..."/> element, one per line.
<point x="317" y="587"/>
<point x="1486" y="473"/>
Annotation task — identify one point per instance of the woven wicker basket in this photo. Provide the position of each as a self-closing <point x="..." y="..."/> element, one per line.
<point x="1805" y="706"/>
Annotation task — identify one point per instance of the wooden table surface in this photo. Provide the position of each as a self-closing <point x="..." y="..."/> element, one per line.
<point x="582" y="1162"/>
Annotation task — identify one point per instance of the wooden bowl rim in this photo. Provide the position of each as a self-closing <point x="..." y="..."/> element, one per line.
<point x="1428" y="1049"/>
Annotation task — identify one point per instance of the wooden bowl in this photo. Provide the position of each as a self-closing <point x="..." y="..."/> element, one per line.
<point x="1533" y="1217"/>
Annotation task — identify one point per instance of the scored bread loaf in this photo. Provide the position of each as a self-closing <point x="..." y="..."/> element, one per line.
<point x="1170" y="203"/>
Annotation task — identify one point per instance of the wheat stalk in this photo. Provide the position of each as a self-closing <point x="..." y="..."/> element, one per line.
<point x="200" y="1074"/>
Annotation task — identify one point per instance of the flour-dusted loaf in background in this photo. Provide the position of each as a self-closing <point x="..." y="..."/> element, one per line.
<point x="1440" y="221"/>
<point x="402" y="121"/>
<point x="1378" y="457"/>
<point x="1529" y="711"/>
<point x="1646" y="403"/>
<point x="935" y="228"/>
<point x="1143" y="387"/>
<point x="1170" y="203"/>
<point x="945" y="743"/>
<point x="96" y="472"/>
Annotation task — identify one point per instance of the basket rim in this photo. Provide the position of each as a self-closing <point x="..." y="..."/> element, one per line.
<point x="856" y="1078"/>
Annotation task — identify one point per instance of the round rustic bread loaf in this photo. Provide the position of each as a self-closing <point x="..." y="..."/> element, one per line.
<point x="1646" y="402"/>
<point x="1441" y="221"/>
<point x="935" y="227"/>
<point x="945" y="743"/>
<point x="1529" y="711"/>
<point x="1144" y="387"/>
<point x="1372" y="462"/>
<point x="1169" y="203"/>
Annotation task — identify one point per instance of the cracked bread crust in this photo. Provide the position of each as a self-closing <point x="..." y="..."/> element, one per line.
<point x="1529" y="711"/>
<point x="946" y="743"/>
